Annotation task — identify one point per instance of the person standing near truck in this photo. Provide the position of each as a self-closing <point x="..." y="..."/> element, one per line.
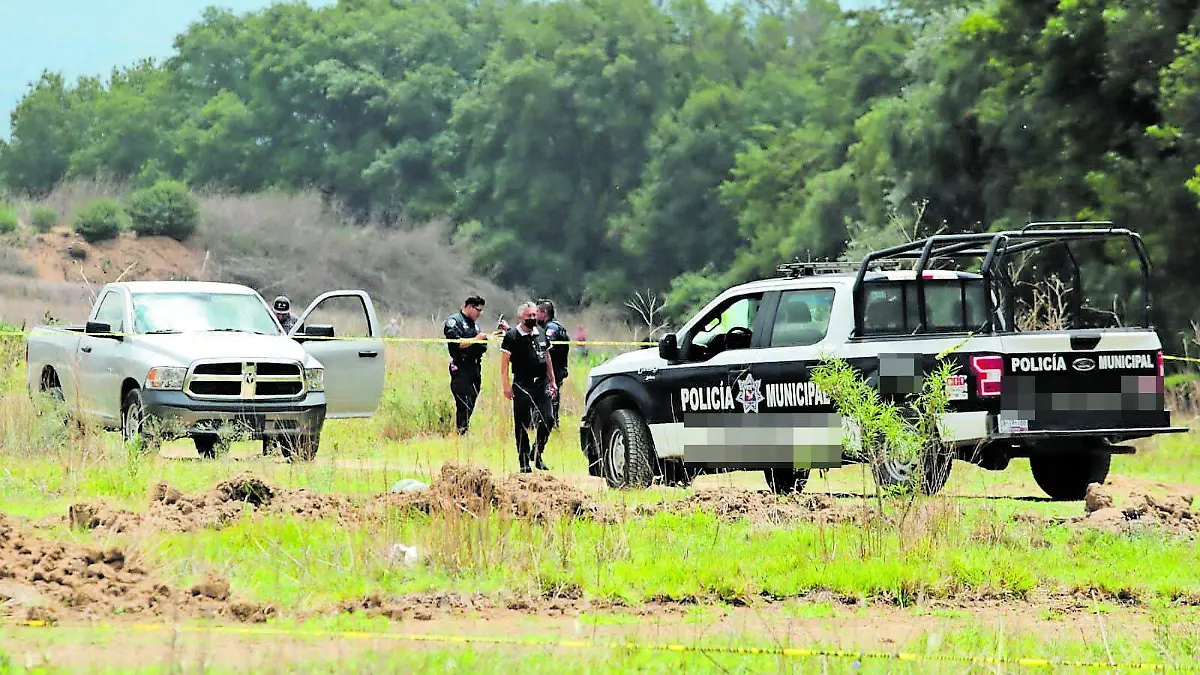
<point x="467" y="345"/>
<point x="526" y="348"/>
<point x="555" y="333"/>
<point x="283" y="312"/>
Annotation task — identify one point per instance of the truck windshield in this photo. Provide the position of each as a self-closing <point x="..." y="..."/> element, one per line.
<point x="197" y="312"/>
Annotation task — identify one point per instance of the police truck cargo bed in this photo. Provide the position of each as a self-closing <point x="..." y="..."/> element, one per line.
<point x="732" y="388"/>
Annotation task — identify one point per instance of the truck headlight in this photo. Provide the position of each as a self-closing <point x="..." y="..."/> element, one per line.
<point x="314" y="379"/>
<point x="165" y="378"/>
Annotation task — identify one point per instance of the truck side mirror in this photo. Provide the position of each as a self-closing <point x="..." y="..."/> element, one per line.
<point x="668" y="347"/>
<point x="100" y="329"/>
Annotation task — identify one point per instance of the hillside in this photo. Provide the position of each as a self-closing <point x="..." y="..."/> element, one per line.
<point x="61" y="256"/>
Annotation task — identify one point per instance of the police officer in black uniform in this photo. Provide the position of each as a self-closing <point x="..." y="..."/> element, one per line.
<point x="465" y="356"/>
<point x="555" y="333"/>
<point x="527" y="349"/>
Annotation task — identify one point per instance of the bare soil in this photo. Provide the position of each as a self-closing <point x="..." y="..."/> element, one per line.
<point x="47" y="580"/>
<point x="61" y="256"/>
<point x="793" y="624"/>
<point x="1126" y="508"/>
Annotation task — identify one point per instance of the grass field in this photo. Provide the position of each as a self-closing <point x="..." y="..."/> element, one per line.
<point x="141" y="577"/>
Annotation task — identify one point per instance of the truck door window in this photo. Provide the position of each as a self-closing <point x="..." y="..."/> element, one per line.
<point x="712" y="332"/>
<point x="346" y="313"/>
<point x="802" y="318"/>
<point x="112" y="311"/>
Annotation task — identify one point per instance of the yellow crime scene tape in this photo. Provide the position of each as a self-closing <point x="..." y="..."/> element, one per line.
<point x="789" y="652"/>
<point x="395" y="340"/>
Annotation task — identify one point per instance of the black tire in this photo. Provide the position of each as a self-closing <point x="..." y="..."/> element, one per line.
<point x="786" y="481"/>
<point x="627" y="436"/>
<point x="134" y="421"/>
<point x="209" y="445"/>
<point x="1065" y="475"/>
<point x="302" y="447"/>
<point x="937" y="462"/>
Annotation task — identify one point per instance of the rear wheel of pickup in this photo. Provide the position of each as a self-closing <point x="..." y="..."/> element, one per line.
<point x="135" y="422"/>
<point x="786" y="481"/>
<point x="930" y="473"/>
<point x="1065" y="473"/>
<point x="627" y="457"/>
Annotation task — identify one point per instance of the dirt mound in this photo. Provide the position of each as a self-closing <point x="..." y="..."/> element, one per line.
<point x="757" y="506"/>
<point x="173" y="511"/>
<point x="473" y="489"/>
<point x="1171" y="513"/>
<point x="62" y="256"/>
<point x="46" y="580"/>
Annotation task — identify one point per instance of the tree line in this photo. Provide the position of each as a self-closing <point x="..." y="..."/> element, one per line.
<point x="588" y="149"/>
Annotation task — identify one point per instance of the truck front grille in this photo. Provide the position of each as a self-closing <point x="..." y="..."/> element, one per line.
<point x="246" y="380"/>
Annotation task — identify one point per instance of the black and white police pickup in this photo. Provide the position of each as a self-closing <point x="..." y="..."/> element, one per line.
<point x="731" y="389"/>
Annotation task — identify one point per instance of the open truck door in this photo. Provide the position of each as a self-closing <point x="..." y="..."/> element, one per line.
<point x="341" y="330"/>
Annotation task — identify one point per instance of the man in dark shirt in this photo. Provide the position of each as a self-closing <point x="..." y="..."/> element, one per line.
<point x="467" y="347"/>
<point x="526" y="348"/>
<point x="555" y="333"/>
<point x="283" y="312"/>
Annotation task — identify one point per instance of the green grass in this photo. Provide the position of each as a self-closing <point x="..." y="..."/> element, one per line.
<point x="961" y="544"/>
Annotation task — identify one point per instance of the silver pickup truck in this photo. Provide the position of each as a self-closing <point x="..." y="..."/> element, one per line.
<point x="167" y="359"/>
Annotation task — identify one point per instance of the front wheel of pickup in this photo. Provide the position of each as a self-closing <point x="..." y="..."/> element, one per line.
<point x="137" y="423"/>
<point x="1065" y="474"/>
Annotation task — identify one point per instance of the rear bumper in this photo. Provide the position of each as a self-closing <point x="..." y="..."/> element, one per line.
<point x="182" y="414"/>
<point x="1115" y="434"/>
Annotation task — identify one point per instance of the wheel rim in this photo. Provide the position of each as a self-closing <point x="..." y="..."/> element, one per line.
<point x="616" y="454"/>
<point x="897" y="472"/>
<point x="133" y="423"/>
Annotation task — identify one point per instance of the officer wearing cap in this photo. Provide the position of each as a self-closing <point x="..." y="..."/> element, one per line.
<point x="283" y="312"/>
<point x="555" y="333"/>
<point x="467" y="346"/>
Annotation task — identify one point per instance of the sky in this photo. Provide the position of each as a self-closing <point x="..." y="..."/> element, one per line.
<point x="91" y="37"/>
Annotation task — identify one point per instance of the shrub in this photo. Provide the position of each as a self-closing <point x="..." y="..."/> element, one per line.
<point x="8" y="219"/>
<point x="101" y="220"/>
<point x="167" y="209"/>
<point x="44" y="218"/>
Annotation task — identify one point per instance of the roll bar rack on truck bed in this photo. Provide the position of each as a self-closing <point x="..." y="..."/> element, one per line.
<point x="994" y="247"/>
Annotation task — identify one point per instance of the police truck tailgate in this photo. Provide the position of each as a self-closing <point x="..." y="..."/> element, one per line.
<point x="1066" y="383"/>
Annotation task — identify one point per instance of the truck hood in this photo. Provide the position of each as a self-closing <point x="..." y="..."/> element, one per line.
<point x="183" y="348"/>
<point x="630" y="361"/>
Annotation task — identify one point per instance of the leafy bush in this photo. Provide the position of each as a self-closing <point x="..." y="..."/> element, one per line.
<point x="8" y="219"/>
<point x="101" y="220"/>
<point x="167" y="209"/>
<point x="44" y="218"/>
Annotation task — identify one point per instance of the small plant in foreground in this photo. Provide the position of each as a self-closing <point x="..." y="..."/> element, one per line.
<point x="879" y="431"/>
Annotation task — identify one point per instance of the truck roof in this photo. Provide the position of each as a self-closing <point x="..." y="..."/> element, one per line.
<point x="142" y="287"/>
<point x="839" y="279"/>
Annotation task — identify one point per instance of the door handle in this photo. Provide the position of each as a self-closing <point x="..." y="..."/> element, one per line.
<point x="86" y="350"/>
<point x="368" y="354"/>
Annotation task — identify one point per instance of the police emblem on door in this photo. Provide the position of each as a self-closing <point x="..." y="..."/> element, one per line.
<point x="749" y="393"/>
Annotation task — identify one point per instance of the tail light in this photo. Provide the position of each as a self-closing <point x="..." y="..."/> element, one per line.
<point x="1158" y="357"/>
<point x="988" y="371"/>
